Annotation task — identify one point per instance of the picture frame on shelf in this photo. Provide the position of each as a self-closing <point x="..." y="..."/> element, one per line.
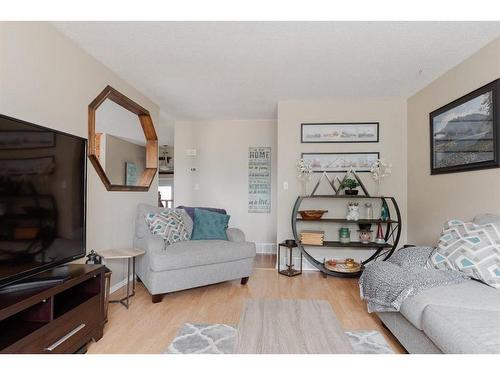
<point x="464" y="134"/>
<point x="321" y="162"/>
<point x="341" y="132"/>
<point x="131" y="176"/>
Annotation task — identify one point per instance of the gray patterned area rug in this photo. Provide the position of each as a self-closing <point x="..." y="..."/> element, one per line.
<point x="220" y="339"/>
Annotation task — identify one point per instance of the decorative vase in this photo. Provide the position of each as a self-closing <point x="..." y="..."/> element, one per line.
<point x="365" y="236"/>
<point x="344" y="235"/>
<point x="384" y="212"/>
<point x="352" y="211"/>
<point x="368" y="211"/>
<point x="380" y="235"/>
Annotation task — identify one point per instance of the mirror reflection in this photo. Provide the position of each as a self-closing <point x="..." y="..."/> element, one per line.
<point x="120" y="144"/>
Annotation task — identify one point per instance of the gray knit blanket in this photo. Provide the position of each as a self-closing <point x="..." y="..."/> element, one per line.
<point x="385" y="285"/>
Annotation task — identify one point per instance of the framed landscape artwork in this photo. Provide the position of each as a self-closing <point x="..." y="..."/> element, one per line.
<point x="350" y="132"/>
<point x="464" y="133"/>
<point x="341" y="162"/>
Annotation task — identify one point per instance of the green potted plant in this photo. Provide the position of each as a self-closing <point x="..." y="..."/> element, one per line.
<point x="349" y="185"/>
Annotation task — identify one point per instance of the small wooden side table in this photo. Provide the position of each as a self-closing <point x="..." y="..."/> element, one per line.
<point x="289" y="271"/>
<point x="129" y="254"/>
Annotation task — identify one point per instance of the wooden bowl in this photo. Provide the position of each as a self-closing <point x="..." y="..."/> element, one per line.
<point x="312" y="214"/>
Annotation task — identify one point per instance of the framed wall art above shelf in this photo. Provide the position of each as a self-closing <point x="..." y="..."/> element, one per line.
<point x="343" y="132"/>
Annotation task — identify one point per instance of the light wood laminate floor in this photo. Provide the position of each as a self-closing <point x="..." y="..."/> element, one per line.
<point x="149" y="328"/>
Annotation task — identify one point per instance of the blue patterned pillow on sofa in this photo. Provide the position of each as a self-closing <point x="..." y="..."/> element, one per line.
<point x="209" y="225"/>
<point x="168" y="224"/>
<point x="470" y="248"/>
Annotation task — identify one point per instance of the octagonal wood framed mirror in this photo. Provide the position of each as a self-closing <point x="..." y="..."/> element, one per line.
<point x="122" y="146"/>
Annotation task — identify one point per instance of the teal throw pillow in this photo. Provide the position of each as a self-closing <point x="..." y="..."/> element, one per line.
<point x="209" y="225"/>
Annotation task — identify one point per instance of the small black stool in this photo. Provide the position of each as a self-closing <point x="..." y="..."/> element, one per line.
<point x="289" y="271"/>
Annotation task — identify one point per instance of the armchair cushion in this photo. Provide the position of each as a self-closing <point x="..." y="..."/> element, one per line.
<point x="141" y="226"/>
<point x="209" y="225"/>
<point x="186" y="254"/>
<point x="235" y="235"/>
<point x="190" y="210"/>
<point x="168" y="224"/>
<point x="155" y="243"/>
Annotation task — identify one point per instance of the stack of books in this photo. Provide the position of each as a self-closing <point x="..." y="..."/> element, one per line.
<point x="312" y="237"/>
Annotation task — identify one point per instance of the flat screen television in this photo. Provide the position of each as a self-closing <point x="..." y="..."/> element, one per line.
<point x="42" y="199"/>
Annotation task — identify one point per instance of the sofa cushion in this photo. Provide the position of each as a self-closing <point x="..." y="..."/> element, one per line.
<point x="482" y="219"/>
<point x="469" y="294"/>
<point x="190" y="210"/>
<point x="187" y="254"/>
<point x="209" y="225"/>
<point x="141" y="226"/>
<point x="470" y="248"/>
<point x="168" y="224"/>
<point x="461" y="330"/>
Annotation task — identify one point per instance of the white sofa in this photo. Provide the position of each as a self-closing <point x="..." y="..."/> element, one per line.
<point x="462" y="318"/>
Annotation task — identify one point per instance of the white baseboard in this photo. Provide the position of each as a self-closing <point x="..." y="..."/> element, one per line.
<point x="265" y="248"/>
<point x="118" y="285"/>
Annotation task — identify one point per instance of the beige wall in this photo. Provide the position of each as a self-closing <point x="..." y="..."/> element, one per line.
<point x="221" y="176"/>
<point x="391" y="113"/>
<point x="120" y="151"/>
<point x="48" y="80"/>
<point x="434" y="199"/>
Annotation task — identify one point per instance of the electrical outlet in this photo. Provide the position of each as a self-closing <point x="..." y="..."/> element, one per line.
<point x="285" y="185"/>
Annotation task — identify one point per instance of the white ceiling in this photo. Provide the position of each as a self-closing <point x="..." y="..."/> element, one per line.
<point x="239" y="70"/>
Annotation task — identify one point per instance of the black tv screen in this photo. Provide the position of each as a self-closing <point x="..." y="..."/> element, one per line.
<point x="42" y="199"/>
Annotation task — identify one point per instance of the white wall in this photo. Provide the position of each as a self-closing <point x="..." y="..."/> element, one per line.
<point x="221" y="176"/>
<point x="48" y="80"/>
<point x="390" y="113"/>
<point x="434" y="199"/>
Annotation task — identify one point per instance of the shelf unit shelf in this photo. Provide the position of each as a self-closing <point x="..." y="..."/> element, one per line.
<point x="360" y="221"/>
<point x="384" y="250"/>
<point x="352" y="244"/>
<point x="343" y="196"/>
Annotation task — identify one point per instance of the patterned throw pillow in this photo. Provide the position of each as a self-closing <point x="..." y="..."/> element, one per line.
<point x="209" y="225"/>
<point x="470" y="248"/>
<point x="168" y="224"/>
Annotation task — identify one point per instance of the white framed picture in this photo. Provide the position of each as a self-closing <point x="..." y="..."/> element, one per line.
<point x="341" y="161"/>
<point x="349" y="132"/>
<point x="259" y="179"/>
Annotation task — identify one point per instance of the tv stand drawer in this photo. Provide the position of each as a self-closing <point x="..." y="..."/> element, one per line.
<point x="69" y="332"/>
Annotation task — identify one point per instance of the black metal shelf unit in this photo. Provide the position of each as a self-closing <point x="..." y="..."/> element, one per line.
<point x="384" y="251"/>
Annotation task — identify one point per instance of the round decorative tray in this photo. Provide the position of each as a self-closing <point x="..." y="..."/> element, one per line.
<point x="312" y="214"/>
<point x="342" y="266"/>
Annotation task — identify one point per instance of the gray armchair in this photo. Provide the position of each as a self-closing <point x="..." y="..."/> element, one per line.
<point x="189" y="264"/>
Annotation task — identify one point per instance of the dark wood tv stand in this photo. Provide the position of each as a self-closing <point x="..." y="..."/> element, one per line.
<point x="61" y="318"/>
